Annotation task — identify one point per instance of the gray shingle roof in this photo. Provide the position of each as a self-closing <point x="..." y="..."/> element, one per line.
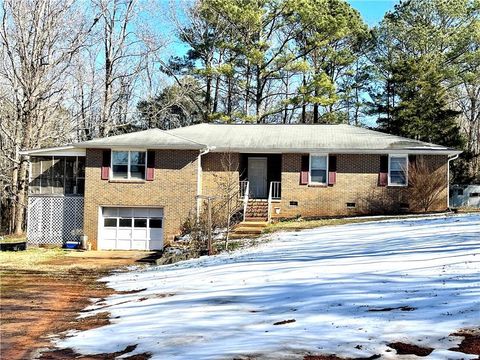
<point x="152" y="139"/>
<point x="257" y="138"/>
<point x="302" y="138"/>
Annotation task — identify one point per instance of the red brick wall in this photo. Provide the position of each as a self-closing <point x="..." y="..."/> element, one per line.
<point x="175" y="185"/>
<point x="173" y="189"/>
<point x="357" y="182"/>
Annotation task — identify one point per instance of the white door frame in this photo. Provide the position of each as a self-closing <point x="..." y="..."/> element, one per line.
<point x="259" y="187"/>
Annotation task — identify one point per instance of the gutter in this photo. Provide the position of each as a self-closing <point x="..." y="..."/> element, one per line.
<point x="253" y="150"/>
<point x="199" y="177"/>
<point x="448" y="178"/>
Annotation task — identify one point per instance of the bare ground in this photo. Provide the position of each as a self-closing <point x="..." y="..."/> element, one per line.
<point x="43" y="296"/>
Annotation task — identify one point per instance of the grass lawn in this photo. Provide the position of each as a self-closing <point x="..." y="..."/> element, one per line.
<point x="37" y="259"/>
<point x="303" y="224"/>
<point x="12" y="239"/>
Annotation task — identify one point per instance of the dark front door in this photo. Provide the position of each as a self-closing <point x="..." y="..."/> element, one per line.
<point x="257" y="176"/>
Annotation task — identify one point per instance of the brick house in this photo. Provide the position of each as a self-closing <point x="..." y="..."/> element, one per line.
<point x="134" y="191"/>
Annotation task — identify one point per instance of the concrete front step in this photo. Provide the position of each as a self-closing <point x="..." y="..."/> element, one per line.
<point x="248" y="230"/>
<point x="252" y="227"/>
<point x="261" y="223"/>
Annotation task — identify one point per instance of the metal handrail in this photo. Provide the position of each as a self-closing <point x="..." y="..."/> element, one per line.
<point x="245" y="199"/>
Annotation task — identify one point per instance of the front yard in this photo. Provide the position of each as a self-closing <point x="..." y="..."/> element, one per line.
<point x="358" y="291"/>
<point x="42" y="290"/>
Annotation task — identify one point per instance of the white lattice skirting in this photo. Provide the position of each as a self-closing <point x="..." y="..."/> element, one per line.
<point x="53" y="220"/>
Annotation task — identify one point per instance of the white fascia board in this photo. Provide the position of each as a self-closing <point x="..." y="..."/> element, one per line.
<point x="69" y="150"/>
<point x="421" y="151"/>
<point x="145" y="147"/>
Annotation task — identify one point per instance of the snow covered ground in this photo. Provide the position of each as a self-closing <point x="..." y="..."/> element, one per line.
<point x="335" y="282"/>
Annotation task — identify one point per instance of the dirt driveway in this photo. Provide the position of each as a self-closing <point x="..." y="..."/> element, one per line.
<point x="42" y="291"/>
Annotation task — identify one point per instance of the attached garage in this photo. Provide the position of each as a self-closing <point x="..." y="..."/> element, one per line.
<point x="131" y="228"/>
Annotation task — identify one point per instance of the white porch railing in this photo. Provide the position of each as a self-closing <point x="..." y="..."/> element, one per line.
<point x="245" y="189"/>
<point x="276" y="189"/>
<point x="273" y="194"/>
<point x="242" y="189"/>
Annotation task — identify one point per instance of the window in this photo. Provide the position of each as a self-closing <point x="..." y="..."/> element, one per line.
<point x="109" y="222"/>
<point x="155" y="223"/>
<point x="140" y="223"/>
<point x="474" y="194"/>
<point x="125" y="222"/>
<point x="318" y="169"/>
<point x="397" y="170"/>
<point x="128" y="164"/>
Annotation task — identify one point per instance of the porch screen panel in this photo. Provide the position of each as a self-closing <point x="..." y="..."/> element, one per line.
<point x="36" y="171"/>
<point x="58" y="172"/>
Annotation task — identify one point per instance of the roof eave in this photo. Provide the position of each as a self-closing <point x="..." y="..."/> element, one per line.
<point x="412" y="151"/>
<point x="140" y="146"/>
<point x="67" y="150"/>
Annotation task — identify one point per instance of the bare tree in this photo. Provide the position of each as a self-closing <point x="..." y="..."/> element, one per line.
<point x="467" y="99"/>
<point x="228" y="189"/>
<point x="38" y="40"/>
<point x="125" y="49"/>
<point x="425" y="184"/>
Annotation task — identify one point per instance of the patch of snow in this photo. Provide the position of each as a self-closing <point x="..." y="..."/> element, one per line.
<point x="326" y="279"/>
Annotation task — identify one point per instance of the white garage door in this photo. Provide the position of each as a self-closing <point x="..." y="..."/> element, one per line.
<point x="131" y="229"/>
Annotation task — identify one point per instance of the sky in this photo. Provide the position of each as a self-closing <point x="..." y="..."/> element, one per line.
<point x="372" y="11"/>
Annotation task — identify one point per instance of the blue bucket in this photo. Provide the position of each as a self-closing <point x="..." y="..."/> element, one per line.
<point x="71" y="245"/>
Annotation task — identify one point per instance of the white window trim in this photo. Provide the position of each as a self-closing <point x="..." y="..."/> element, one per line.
<point x="405" y="156"/>
<point x="128" y="164"/>
<point x="310" y="182"/>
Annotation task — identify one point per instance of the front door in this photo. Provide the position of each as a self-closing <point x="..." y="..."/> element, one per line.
<point x="257" y="176"/>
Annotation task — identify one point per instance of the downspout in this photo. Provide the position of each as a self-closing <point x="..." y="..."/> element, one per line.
<point x="199" y="177"/>
<point x="448" y="178"/>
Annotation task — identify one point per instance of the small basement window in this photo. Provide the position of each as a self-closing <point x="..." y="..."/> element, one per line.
<point x="293" y="203"/>
<point x="351" y="205"/>
<point x="474" y="194"/>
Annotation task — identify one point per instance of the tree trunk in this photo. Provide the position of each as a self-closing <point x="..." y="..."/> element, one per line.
<point x="23" y="172"/>
<point x="258" y="96"/>
<point x="208" y="99"/>
<point x="229" y="98"/>
<point x="315" y="110"/>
